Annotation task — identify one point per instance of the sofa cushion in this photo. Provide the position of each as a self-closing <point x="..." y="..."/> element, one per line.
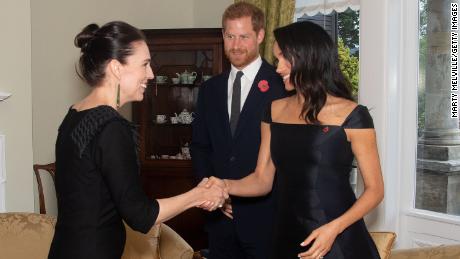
<point x="174" y="246"/>
<point x="384" y="242"/>
<point x="142" y="246"/>
<point x="26" y="235"/>
<point x="435" y="252"/>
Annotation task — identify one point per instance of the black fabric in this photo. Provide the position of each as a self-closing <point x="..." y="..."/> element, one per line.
<point x="216" y="152"/>
<point x="359" y="118"/>
<point x="267" y="116"/>
<point x="97" y="185"/>
<point x="224" y="244"/>
<point x="313" y="164"/>
<point x="90" y="125"/>
<point x="236" y="102"/>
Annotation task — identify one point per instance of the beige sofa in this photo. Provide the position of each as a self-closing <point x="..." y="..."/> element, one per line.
<point x="384" y="242"/>
<point x="29" y="235"/>
<point x="435" y="252"/>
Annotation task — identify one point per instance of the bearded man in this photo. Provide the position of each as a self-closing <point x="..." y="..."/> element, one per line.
<point x="226" y="134"/>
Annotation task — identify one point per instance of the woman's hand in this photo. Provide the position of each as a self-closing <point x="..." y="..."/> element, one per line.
<point x="216" y="181"/>
<point x="323" y="237"/>
<point x="226" y="207"/>
<point x="213" y="195"/>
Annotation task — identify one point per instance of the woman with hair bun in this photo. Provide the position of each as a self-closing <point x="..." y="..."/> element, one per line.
<point x="97" y="169"/>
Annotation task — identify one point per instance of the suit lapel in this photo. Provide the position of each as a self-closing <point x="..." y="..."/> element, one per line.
<point x="222" y="102"/>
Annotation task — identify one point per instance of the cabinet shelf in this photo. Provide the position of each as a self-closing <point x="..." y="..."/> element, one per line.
<point x="178" y="85"/>
<point x="166" y="162"/>
<point x="169" y="124"/>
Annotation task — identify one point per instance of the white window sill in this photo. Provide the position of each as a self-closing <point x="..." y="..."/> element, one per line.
<point x="434" y="216"/>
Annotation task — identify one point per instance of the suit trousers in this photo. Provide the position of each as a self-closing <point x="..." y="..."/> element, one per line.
<point x="226" y="243"/>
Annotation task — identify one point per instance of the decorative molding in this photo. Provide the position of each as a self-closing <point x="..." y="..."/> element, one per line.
<point x="423" y="243"/>
<point x="4" y="95"/>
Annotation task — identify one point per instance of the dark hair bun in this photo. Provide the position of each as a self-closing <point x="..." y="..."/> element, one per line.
<point x="86" y="35"/>
<point x="99" y="45"/>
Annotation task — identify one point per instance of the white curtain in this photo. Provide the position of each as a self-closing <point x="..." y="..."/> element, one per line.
<point x="313" y="7"/>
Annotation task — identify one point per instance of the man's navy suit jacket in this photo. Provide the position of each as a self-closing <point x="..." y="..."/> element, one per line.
<point x="216" y="153"/>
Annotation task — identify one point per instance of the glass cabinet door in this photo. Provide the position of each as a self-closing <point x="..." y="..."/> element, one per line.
<point x="182" y="59"/>
<point x="174" y="92"/>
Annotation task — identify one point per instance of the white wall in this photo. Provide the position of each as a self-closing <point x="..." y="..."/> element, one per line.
<point x="208" y="13"/>
<point x="16" y="112"/>
<point x="54" y="26"/>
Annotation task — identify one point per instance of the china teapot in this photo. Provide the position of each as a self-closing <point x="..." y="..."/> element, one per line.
<point x="185" y="151"/>
<point x="187" y="77"/>
<point x="185" y="117"/>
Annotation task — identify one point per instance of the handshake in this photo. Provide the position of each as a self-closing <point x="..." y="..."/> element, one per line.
<point x="213" y="194"/>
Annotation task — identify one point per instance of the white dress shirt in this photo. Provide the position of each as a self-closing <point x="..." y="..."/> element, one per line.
<point x="249" y="73"/>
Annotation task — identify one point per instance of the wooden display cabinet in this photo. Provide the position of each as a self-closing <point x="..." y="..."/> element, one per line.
<point x="166" y="170"/>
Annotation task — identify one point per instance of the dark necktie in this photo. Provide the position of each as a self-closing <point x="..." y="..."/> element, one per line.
<point x="236" y="102"/>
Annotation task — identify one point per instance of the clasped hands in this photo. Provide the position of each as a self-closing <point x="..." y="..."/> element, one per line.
<point x="216" y="195"/>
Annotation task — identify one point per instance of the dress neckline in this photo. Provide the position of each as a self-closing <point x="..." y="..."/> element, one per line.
<point x="320" y="125"/>
<point x="89" y="109"/>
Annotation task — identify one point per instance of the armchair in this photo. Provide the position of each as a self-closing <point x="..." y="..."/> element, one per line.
<point x="160" y="242"/>
<point x="29" y="235"/>
<point x="384" y="242"/>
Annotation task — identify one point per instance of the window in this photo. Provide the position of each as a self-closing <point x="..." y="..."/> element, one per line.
<point x="438" y="150"/>
<point x="327" y="21"/>
<point x="343" y="27"/>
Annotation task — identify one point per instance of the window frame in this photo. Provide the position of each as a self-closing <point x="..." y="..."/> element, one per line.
<point x="389" y="82"/>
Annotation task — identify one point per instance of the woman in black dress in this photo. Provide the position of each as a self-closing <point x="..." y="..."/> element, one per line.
<point x="97" y="169"/>
<point x="311" y="139"/>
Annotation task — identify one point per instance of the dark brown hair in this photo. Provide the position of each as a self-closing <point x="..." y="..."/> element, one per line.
<point x="315" y="70"/>
<point x="243" y="9"/>
<point x="100" y="45"/>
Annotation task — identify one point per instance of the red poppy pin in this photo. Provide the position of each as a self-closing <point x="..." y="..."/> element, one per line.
<point x="263" y="86"/>
<point x="325" y="129"/>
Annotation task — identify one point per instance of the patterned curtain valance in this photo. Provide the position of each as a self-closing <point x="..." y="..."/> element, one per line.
<point x="313" y="7"/>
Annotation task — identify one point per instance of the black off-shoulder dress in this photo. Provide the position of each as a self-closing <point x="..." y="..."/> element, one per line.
<point x="313" y="164"/>
<point x="98" y="185"/>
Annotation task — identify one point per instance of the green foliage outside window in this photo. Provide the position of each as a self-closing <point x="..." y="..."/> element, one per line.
<point x="348" y="26"/>
<point x="349" y="65"/>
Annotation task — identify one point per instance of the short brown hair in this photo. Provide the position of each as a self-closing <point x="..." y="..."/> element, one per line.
<point x="243" y="9"/>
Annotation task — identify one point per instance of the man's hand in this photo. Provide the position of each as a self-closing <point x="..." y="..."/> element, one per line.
<point x="227" y="208"/>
